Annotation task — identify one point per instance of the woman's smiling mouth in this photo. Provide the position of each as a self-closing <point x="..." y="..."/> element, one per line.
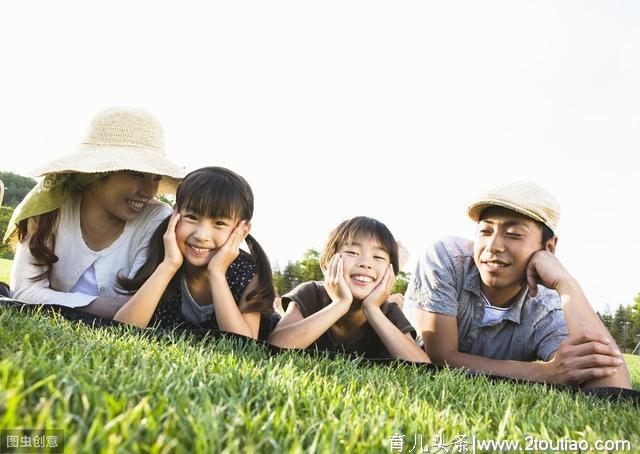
<point x="135" y="205"/>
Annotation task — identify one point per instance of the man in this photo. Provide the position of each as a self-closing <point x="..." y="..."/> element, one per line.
<point x="503" y="301"/>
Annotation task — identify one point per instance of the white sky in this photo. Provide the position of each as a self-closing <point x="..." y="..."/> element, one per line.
<point x="396" y="110"/>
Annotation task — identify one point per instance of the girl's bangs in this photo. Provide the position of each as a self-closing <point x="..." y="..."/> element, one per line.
<point x="369" y="229"/>
<point x="211" y="197"/>
<point x="360" y="227"/>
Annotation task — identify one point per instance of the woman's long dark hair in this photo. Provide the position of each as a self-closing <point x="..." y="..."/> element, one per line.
<point x="42" y="242"/>
<point x="211" y="192"/>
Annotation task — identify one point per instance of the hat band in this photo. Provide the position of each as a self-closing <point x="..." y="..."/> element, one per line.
<point x="125" y="145"/>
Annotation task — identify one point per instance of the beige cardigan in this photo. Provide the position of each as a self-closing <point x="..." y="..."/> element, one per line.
<point x="125" y="255"/>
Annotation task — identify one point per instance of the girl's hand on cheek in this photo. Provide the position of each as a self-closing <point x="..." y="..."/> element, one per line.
<point x="381" y="292"/>
<point x="335" y="283"/>
<point x="230" y="250"/>
<point x="172" y="255"/>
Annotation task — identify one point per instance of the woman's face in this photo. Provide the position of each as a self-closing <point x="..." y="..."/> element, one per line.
<point x="124" y="194"/>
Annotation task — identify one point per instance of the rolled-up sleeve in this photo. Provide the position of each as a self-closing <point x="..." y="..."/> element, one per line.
<point x="549" y="333"/>
<point x="433" y="286"/>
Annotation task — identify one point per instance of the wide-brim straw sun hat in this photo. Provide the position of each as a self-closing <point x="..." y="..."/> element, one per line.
<point x="120" y="138"/>
<point x="522" y="197"/>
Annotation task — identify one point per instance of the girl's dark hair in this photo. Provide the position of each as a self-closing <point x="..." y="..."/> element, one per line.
<point x="42" y="242"/>
<point x="211" y="192"/>
<point x="360" y="226"/>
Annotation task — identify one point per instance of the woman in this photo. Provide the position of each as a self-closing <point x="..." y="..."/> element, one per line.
<point x="93" y="214"/>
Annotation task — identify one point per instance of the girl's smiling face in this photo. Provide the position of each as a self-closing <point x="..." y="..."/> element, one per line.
<point x="199" y="237"/>
<point x="365" y="263"/>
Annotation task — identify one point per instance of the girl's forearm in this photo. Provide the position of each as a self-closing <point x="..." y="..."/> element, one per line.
<point x="398" y="345"/>
<point x="227" y="313"/>
<point x="305" y="332"/>
<point x="140" y="308"/>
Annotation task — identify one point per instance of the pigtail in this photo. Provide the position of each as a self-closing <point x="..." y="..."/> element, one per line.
<point x="154" y="258"/>
<point x="262" y="297"/>
<point x="42" y="242"/>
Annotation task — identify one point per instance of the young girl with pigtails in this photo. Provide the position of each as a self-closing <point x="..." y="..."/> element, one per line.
<point x="196" y="275"/>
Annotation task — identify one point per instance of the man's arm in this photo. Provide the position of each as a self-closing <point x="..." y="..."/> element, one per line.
<point x="570" y="365"/>
<point x="440" y="335"/>
<point x="582" y="322"/>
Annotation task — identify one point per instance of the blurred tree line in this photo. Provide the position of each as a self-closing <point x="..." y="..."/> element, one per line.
<point x="308" y="269"/>
<point x="624" y="325"/>
<point x="15" y="188"/>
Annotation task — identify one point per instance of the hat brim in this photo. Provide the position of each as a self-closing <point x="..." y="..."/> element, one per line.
<point x="476" y="208"/>
<point x="95" y="159"/>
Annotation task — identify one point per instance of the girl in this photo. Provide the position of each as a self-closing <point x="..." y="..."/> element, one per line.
<point x="350" y="309"/>
<point x="92" y="215"/>
<point x="196" y="274"/>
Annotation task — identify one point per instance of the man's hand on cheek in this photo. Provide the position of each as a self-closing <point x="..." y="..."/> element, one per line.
<point x="545" y="268"/>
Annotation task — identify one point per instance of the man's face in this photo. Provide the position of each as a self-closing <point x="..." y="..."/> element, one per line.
<point x="504" y="243"/>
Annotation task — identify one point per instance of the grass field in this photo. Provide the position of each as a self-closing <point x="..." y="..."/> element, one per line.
<point x="114" y="389"/>
<point x="5" y="269"/>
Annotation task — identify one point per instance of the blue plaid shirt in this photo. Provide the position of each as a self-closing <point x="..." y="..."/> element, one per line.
<point x="447" y="282"/>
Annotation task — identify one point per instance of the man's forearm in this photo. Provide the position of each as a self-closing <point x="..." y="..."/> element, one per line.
<point x="577" y="311"/>
<point x="581" y="318"/>
<point x="532" y="371"/>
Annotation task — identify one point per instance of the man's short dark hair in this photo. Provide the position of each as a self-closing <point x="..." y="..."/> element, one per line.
<point x="547" y="234"/>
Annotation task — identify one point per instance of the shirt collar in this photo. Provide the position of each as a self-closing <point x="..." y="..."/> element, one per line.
<point x="472" y="281"/>
<point x="516" y="308"/>
<point x="472" y="284"/>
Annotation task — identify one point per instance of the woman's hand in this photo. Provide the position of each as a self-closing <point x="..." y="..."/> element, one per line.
<point x="335" y="283"/>
<point x="381" y="292"/>
<point x="230" y="250"/>
<point x="172" y="255"/>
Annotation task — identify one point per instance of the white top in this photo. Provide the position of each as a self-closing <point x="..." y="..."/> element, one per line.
<point x="87" y="283"/>
<point x="125" y="255"/>
<point x="492" y="314"/>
